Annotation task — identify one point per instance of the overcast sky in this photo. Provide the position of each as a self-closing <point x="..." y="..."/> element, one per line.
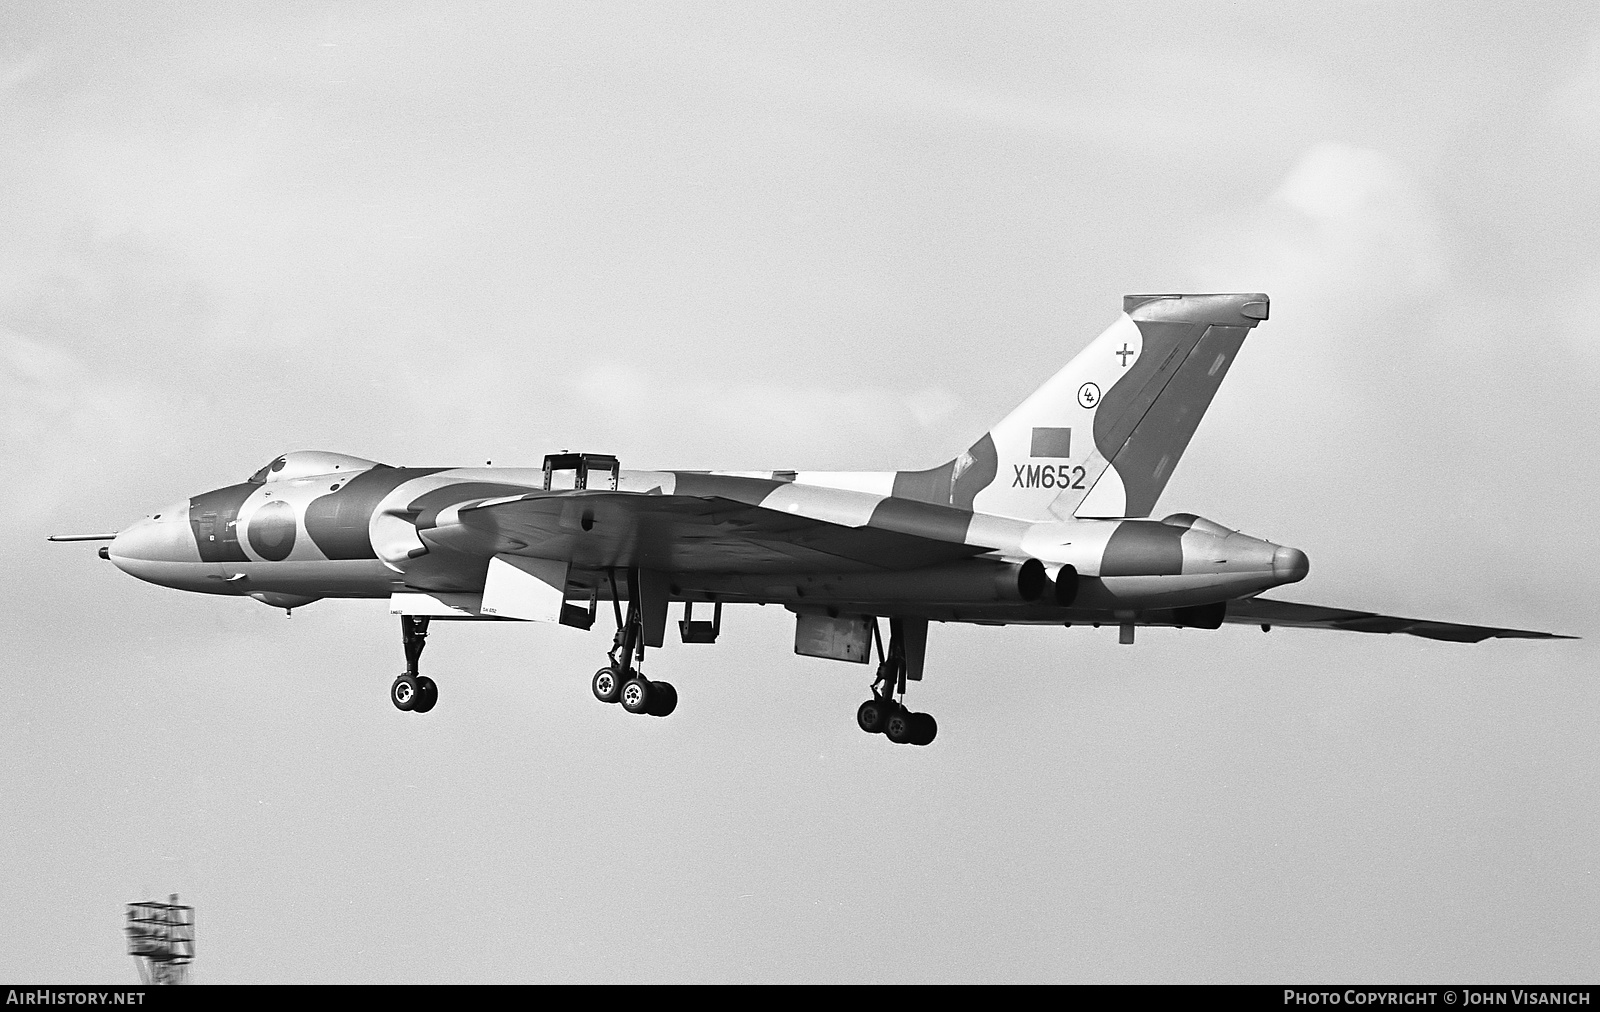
<point x="821" y="236"/>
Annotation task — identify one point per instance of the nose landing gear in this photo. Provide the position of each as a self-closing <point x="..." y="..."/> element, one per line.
<point x="412" y="691"/>
<point x="883" y="713"/>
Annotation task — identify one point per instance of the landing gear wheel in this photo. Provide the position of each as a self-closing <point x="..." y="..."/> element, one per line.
<point x="427" y="695"/>
<point x="883" y="713"/>
<point x="663" y="699"/>
<point x="898" y="727"/>
<point x="636" y="695"/>
<point x="403" y="693"/>
<point x="872" y="715"/>
<point x="607" y="685"/>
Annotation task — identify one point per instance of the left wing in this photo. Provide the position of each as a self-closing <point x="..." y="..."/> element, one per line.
<point x="1263" y="612"/>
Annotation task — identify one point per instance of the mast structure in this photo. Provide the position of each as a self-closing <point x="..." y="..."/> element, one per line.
<point x="161" y="940"/>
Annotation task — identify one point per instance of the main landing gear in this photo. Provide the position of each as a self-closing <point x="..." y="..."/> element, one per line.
<point x="413" y="691"/>
<point x="883" y="713"/>
<point x="621" y="681"/>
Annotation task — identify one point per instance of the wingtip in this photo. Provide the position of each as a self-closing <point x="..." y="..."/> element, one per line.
<point x="1528" y="634"/>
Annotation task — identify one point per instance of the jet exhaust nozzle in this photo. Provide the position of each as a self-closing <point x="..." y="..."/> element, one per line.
<point x="1067" y="586"/>
<point x="1032" y="580"/>
<point x="1201" y="616"/>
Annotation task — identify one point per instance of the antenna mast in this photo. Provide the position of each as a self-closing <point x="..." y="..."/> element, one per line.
<point x="161" y="940"/>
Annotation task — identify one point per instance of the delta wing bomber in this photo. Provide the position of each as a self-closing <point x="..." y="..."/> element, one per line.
<point x="1043" y="520"/>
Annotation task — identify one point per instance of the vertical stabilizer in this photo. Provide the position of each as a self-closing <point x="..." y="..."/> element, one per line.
<point x="1102" y="436"/>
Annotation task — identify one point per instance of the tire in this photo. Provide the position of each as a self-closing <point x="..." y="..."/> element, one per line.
<point x="872" y="715"/>
<point x="636" y="694"/>
<point x="898" y="727"/>
<point x="663" y="699"/>
<point x="427" y="695"/>
<point x="607" y="685"/>
<point x="924" y="728"/>
<point x="403" y="693"/>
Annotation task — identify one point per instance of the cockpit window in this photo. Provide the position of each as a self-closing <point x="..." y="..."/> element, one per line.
<point x="307" y="463"/>
<point x="260" y="476"/>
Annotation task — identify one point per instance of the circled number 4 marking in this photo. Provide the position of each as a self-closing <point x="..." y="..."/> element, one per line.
<point x="1088" y="395"/>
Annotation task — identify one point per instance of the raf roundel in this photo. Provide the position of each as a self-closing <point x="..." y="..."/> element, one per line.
<point x="272" y="531"/>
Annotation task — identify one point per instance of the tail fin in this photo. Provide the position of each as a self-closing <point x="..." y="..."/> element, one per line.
<point x="1101" y="437"/>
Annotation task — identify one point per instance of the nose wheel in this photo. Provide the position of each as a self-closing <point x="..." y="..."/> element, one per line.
<point x="413" y="692"/>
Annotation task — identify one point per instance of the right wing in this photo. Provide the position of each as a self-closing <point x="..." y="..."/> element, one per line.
<point x="1264" y="612"/>
<point x="689" y="533"/>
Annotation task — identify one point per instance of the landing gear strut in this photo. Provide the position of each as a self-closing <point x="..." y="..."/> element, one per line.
<point x="884" y="713"/>
<point x="413" y="691"/>
<point x="621" y="681"/>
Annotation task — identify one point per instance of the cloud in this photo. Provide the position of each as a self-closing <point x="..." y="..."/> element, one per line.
<point x="1574" y="110"/>
<point x="1577" y="325"/>
<point x="1348" y="247"/>
<point x="1394" y="409"/>
<point x="932" y="404"/>
<point x="763" y="424"/>
<point x="1574" y="107"/>
<point x="1346" y="222"/>
<point x="18" y="70"/>
<point x="61" y="421"/>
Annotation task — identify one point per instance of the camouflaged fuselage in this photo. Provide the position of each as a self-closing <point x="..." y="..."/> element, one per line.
<point x="1042" y="519"/>
<point x="369" y="530"/>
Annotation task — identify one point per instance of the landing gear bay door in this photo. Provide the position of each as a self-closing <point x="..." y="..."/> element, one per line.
<point x="529" y="589"/>
<point x="841" y="638"/>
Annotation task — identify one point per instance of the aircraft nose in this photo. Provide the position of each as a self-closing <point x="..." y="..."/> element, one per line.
<point x="155" y="550"/>
<point x="1290" y="564"/>
<point x="142" y="541"/>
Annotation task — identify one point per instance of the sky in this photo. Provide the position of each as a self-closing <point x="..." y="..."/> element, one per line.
<point x="807" y="236"/>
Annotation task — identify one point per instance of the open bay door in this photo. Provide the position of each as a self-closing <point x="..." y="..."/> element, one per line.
<point x="580" y="471"/>
<point x="851" y="638"/>
<point x="535" y="590"/>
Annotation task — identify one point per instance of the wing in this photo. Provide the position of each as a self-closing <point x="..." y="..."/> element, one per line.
<point x="1260" y="611"/>
<point x="687" y="534"/>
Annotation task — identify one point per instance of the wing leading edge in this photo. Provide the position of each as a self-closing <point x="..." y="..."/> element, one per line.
<point x="1264" y="612"/>
<point x="687" y="534"/>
